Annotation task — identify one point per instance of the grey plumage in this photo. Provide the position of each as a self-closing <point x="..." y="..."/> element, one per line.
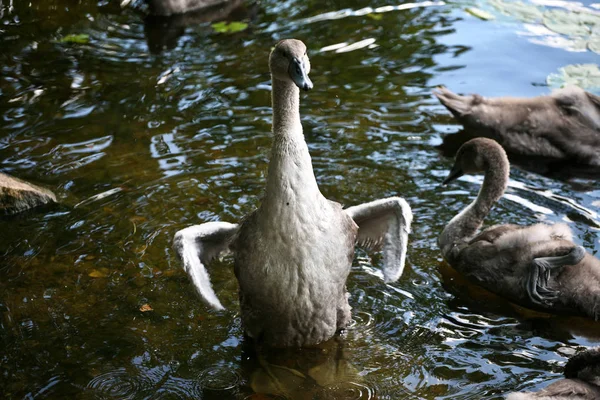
<point x="293" y="254"/>
<point x="562" y="126"/>
<point x="582" y="380"/>
<point x="536" y="266"/>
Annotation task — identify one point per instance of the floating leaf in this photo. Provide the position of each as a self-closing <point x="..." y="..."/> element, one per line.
<point x="99" y="273"/>
<point x="594" y="44"/>
<point x="146" y="308"/>
<point x="79" y="38"/>
<point x="232" y="27"/>
<point x="521" y="11"/>
<point x="586" y="76"/>
<point x="376" y="17"/>
<point x="237" y="26"/>
<point x="571" y="23"/>
<point x="220" y="27"/>
<point x="476" y="12"/>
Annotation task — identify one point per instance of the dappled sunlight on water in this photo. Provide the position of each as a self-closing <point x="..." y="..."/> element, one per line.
<point x="140" y="137"/>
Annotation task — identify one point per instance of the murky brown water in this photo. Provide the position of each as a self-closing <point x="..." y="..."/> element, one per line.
<point x="181" y="136"/>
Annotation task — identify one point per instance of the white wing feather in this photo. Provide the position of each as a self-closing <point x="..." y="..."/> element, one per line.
<point x="198" y="245"/>
<point x="385" y="224"/>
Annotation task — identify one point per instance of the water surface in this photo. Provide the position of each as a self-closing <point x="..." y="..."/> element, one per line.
<point x="143" y="133"/>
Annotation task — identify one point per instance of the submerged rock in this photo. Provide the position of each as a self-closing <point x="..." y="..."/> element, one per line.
<point x="17" y="195"/>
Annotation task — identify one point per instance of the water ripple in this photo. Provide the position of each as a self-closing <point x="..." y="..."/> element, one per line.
<point x="146" y="141"/>
<point x="346" y="391"/>
<point x="219" y="379"/>
<point x="178" y="388"/>
<point x="120" y="384"/>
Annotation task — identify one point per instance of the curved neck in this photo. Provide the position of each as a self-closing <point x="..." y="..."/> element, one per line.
<point x="290" y="168"/>
<point x="463" y="226"/>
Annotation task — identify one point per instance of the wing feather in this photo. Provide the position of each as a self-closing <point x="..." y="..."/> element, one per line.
<point x="197" y="246"/>
<point x="384" y="225"/>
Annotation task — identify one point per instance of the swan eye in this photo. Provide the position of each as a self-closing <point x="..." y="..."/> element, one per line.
<point x="298" y="69"/>
<point x="571" y="110"/>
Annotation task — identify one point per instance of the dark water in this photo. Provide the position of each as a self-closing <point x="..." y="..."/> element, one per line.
<point x="181" y="136"/>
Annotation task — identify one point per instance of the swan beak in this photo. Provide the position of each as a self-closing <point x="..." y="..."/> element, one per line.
<point x="298" y="73"/>
<point x="455" y="173"/>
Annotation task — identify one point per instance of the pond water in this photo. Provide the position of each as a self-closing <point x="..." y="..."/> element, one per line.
<point x="145" y="127"/>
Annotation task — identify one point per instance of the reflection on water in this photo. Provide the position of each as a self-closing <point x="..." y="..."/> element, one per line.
<point x="139" y="140"/>
<point x="164" y="32"/>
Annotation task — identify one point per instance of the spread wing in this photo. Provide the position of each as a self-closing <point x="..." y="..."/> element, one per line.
<point x="197" y="246"/>
<point x="385" y="224"/>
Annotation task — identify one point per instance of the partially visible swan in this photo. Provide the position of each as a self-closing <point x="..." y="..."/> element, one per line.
<point x="293" y="254"/>
<point x="563" y="170"/>
<point x="563" y="126"/>
<point x="536" y="266"/>
<point x="582" y="380"/>
<point x="163" y="26"/>
<point x="171" y="7"/>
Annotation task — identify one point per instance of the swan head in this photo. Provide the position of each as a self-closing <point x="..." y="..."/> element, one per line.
<point x="578" y="104"/>
<point x="289" y="62"/>
<point x="476" y="155"/>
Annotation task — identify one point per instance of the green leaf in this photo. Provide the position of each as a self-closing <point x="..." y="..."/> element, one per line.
<point x="520" y="11"/>
<point x="220" y="27"/>
<point x="237" y="26"/>
<point x="232" y="27"/>
<point x="570" y="23"/>
<point x="79" y="38"/>
<point x="476" y="12"/>
<point x="586" y="76"/>
<point x="376" y="17"/>
<point x="594" y="44"/>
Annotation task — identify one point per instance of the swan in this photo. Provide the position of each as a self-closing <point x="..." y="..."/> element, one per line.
<point x="172" y="7"/>
<point x="582" y="380"/>
<point x="562" y="126"/>
<point x="536" y="266"/>
<point x="293" y="254"/>
<point x="163" y="27"/>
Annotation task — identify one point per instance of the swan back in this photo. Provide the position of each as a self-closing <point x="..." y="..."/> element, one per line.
<point x="562" y="126"/>
<point x="171" y="7"/>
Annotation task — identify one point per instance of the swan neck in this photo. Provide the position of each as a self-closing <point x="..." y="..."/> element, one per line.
<point x="290" y="178"/>
<point x="464" y="226"/>
<point x="285" y="98"/>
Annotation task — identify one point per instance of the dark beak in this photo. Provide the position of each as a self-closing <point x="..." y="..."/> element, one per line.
<point x="298" y="74"/>
<point x="455" y="173"/>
